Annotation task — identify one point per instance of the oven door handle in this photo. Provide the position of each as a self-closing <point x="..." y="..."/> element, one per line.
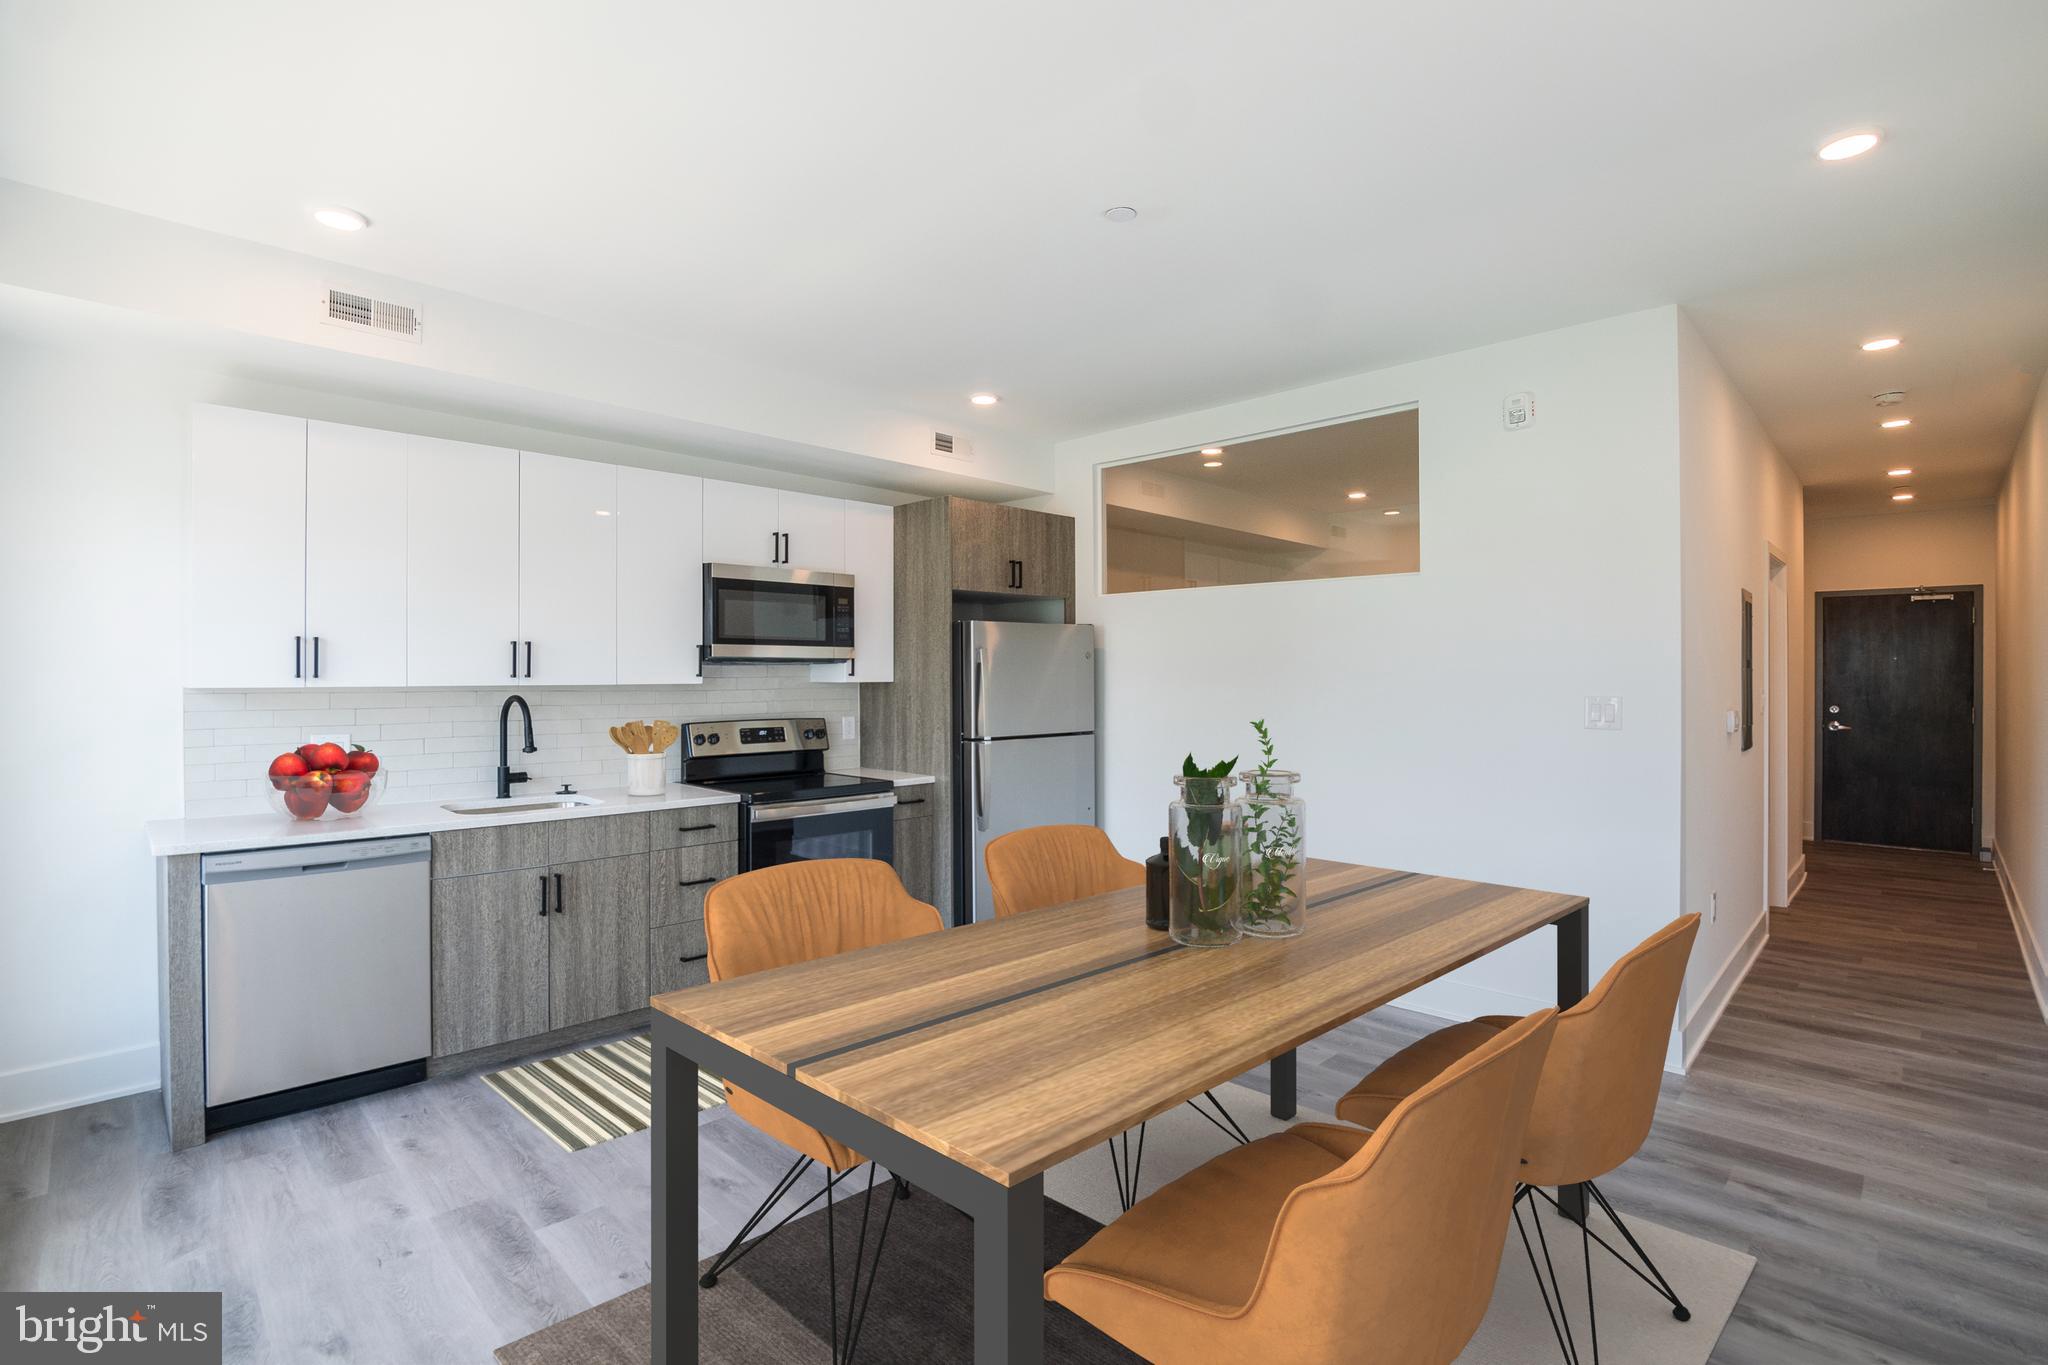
<point x="799" y="810"/>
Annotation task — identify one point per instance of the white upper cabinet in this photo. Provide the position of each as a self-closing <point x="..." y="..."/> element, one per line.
<point x="355" y="522"/>
<point x="871" y="559"/>
<point x="661" y="576"/>
<point x="813" y="532"/>
<point x="748" y="525"/>
<point x="337" y="556"/>
<point x="742" y="524"/>
<point x="568" y="571"/>
<point x="462" y="564"/>
<point x="245" y="552"/>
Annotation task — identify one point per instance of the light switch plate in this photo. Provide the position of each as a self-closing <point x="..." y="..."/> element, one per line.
<point x="1603" y="713"/>
<point x="846" y="727"/>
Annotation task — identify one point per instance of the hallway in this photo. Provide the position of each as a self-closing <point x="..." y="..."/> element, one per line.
<point x="1870" y="1119"/>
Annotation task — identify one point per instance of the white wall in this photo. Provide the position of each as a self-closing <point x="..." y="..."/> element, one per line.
<point x="93" y="448"/>
<point x="91" y="492"/>
<point x="1438" y="717"/>
<point x="2022" y="843"/>
<point x="1739" y="502"/>
<point x="1920" y="547"/>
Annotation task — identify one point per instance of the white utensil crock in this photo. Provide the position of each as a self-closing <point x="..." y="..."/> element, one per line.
<point x="646" y="774"/>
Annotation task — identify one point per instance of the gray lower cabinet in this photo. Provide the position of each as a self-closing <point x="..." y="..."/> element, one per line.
<point x="676" y="956"/>
<point x="596" y="963"/>
<point x="917" y="847"/>
<point x="490" y="945"/>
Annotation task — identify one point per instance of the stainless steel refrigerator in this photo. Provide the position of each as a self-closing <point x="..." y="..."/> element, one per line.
<point x="1025" y="718"/>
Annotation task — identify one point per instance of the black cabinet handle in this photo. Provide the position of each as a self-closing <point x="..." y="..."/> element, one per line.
<point x="298" y="656"/>
<point x="515" y="658"/>
<point x="774" y="547"/>
<point x="543" y="895"/>
<point x="692" y="829"/>
<point x="701" y="881"/>
<point x="316" y="656"/>
<point x="699" y="957"/>
<point x="529" y="658"/>
<point x="558" y="893"/>
<point x="917" y="802"/>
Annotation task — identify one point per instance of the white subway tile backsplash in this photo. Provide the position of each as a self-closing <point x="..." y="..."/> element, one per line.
<point x="443" y="745"/>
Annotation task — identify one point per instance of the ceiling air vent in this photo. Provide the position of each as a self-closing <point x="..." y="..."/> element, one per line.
<point x="362" y="312"/>
<point x="952" y="447"/>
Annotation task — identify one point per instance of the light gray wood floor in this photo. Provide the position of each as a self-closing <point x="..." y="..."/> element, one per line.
<point x="1870" y="1120"/>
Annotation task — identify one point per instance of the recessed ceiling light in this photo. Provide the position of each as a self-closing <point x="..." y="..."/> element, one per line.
<point x="1897" y="473"/>
<point x="1903" y="495"/>
<point x="1122" y="213"/>
<point x="1212" y="450"/>
<point x="1848" y="145"/>
<point x="341" y="220"/>
<point x="983" y="400"/>
<point x="1391" y="512"/>
<point x="1880" y="343"/>
<point x="1212" y="464"/>
<point x="1892" y="422"/>
<point x="1356" y="495"/>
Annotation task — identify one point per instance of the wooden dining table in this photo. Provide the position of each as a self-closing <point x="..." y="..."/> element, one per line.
<point x="969" y="1062"/>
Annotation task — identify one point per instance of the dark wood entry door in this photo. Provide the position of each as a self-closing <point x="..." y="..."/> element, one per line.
<point x="1898" y="719"/>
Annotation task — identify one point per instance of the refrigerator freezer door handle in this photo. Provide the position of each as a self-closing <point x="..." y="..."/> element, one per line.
<point x="980" y="708"/>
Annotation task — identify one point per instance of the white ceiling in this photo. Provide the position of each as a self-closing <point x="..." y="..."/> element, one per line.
<point x="907" y="195"/>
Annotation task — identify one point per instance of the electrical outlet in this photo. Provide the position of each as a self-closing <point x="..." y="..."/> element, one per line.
<point x="1713" y="906"/>
<point x="1603" y="713"/>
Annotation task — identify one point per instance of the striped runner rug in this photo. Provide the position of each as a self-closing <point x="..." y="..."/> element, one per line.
<point x="593" y="1095"/>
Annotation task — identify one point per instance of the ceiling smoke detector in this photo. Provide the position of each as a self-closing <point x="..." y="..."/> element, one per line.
<point x="1121" y="213"/>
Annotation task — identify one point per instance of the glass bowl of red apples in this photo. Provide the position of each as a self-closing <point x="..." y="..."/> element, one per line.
<point x="316" y="781"/>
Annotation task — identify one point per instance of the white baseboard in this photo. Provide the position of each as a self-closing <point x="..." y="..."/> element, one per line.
<point x="2030" y="951"/>
<point x="1795" y="882"/>
<point x="74" y="1081"/>
<point x="1699" y="1024"/>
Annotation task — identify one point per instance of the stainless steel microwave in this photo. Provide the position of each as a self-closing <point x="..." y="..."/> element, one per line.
<point x="769" y="615"/>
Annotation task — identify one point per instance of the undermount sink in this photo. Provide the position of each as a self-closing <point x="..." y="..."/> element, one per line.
<point x="519" y="805"/>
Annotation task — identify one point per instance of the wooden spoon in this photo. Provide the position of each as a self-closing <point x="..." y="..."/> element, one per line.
<point x="665" y="734"/>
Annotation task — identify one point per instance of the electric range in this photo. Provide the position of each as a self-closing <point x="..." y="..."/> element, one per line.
<point x="791" y="809"/>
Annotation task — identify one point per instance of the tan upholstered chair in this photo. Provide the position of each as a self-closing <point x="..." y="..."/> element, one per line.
<point x="1034" y="869"/>
<point x="1596" y="1101"/>
<point x="796" y="912"/>
<point x="1326" y="1245"/>
<point x="1054" y="864"/>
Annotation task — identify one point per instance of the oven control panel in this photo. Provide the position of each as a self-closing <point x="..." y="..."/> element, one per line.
<point x="707" y="738"/>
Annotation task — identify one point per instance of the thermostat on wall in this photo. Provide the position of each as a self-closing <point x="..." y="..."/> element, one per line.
<point x="1518" y="410"/>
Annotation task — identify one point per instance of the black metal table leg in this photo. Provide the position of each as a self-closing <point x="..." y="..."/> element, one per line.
<point x="1009" y="1277"/>
<point x="675" y="1206"/>
<point x="1280" y="1080"/>
<point x="1574" y="972"/>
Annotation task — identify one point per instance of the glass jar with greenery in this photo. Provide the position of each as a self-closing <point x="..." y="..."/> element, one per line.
<point x="1275" y="893"/>
<point x="1205" y="826"/>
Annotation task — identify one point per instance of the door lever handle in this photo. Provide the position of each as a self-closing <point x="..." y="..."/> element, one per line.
<point x="1837" y="725"/>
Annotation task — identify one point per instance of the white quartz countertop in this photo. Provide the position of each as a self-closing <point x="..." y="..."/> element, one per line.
<point x="890" y="775"/>
<point x="225" y="833"/>
<point x="234" y="833"/>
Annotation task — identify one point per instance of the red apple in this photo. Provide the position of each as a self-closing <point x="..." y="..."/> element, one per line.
<point x="286" y="766"/>
<point x="351" y="791"/>
<point x="306" y="797"/>
<point x="329" y="756"/>
<point x="362" y="760"/>
<point x="308" y="754"/>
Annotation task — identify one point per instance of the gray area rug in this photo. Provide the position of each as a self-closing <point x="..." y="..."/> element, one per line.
<point x="771" y="1306"/>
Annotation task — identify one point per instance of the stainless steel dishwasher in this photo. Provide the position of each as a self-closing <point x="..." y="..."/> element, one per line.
<point x="318" y="975"/>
